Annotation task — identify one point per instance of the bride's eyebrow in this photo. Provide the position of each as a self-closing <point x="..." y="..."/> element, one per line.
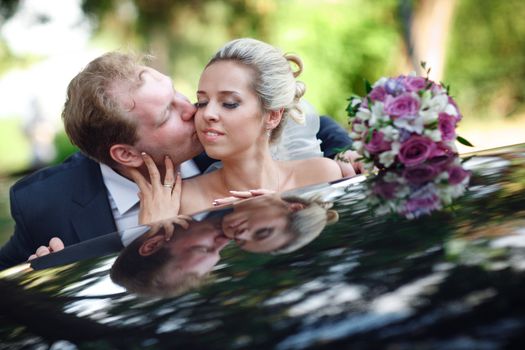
<point x="229" y="93"/>
<point x="222" y="93"/>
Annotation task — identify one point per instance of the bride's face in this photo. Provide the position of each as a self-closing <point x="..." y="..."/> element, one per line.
<point x="229" y="118"/>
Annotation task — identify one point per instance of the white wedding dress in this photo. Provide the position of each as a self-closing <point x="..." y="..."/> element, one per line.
<point x="299" y="141"/>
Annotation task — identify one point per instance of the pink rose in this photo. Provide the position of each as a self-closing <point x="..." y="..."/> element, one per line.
<point x="377" y="144"/>
<point x="440" y="162"/>
<point x="441" y="150"/>
<point x="378" y="94"/>
<point x="414" y="84"/>
<point x="424" y="202"/>
<point x="402" y="105"/>
<point x="456" y="175"/>
<point x="416" y="150"/>
<point x="386" y="190"/>
<point x="447" y="126"/>
<point x="419" y="174"/>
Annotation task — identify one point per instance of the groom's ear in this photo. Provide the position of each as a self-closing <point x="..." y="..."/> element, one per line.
<point x="151" y="245"/>
<point x="274" y="117"/>
<point x="126" y="155"/>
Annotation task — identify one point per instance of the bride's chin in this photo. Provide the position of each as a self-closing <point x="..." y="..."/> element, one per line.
<point x="215" y="152"/>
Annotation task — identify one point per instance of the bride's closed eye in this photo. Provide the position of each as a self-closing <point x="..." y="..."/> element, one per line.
<point x="200" y="104"/>
<point x="230" y="105"/>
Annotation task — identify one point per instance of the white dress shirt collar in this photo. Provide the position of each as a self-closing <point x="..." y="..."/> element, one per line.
<point x="122" y="190"/>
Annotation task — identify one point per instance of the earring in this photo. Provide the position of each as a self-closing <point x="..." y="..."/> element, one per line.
<point x="268" y="131"/>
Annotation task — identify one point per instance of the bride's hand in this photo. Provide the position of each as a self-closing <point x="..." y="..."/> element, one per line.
<point x="240" y="195"/>
<point x="348" y="163"/>
<point x="158" y="200"/>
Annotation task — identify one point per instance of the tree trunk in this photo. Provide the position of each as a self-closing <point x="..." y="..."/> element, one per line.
<point x="429" y="32"/>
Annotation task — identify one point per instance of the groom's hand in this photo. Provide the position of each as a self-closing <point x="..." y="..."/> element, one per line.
<point x="55" y="245"/>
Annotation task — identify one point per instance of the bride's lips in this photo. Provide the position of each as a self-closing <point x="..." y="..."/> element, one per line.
<point x="210" y="135"/>
<point x="230" y="226"/>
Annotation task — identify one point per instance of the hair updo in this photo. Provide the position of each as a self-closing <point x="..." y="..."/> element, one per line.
<point x="274" y="81"/>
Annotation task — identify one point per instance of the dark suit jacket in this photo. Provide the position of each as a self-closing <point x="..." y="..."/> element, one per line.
<point x="70" y="201"/>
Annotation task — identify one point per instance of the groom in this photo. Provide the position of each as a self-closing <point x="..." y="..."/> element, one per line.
<point x="116" y="108"/>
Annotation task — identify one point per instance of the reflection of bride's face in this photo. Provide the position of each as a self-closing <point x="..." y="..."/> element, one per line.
<point x="229" y="116"/>
<point x="199" y="247"/>
<point x="257" y="226"/>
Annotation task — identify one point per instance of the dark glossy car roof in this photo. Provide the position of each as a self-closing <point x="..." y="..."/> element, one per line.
<point x="452" y="277"/>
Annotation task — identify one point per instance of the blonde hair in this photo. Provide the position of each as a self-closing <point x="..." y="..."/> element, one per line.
<point x="274" y="81"/>
<point x="306" y="224"/>
<point x="93" y="118"/>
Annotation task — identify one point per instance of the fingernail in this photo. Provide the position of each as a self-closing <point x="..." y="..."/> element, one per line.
<point x="143" y="153"/>
<point x="215" y="203"/>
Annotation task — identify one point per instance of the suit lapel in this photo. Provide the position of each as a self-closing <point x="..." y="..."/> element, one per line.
<point x="203" y="161"/>
<point x="91" y="212"/>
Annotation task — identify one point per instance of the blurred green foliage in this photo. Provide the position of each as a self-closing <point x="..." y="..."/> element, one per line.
<point x="341" y="42"/>
<point x="14" y="147"/>
<point x="486" y="58"/>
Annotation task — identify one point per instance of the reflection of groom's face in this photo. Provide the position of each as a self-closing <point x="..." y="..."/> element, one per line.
<point x="164" y="118"/>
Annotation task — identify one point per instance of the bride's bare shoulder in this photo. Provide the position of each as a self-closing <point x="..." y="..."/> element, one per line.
<point x="319" y="169"/>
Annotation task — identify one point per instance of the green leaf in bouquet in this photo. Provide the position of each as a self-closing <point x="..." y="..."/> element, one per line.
<point x="369" y="135"/>
<point x="446" y="87"/>
<point x="433" y="125"/>
<point x="352" y="109"/>
<point x="368" y="86"/>
<point x="464" y="141"/>
<point x="423" y="65"/>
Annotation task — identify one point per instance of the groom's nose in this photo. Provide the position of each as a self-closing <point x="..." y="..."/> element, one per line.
<point x="188" y="109"/>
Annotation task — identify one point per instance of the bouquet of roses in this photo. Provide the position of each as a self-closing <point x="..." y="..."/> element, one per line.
<point x="404" y="121"/>
<point x="418" y="190"/>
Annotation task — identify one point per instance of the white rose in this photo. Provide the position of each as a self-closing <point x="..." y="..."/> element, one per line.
<point x="434" y="135"/>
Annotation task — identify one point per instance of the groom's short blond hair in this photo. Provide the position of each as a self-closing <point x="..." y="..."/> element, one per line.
<point x="93" y="118"/>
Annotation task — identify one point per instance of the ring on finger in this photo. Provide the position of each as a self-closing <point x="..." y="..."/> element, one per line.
<point x="168" y="185"/>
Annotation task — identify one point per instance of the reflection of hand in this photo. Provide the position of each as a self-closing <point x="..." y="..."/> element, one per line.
<point x="55" y="245"/>
<point x="158" y="200"/>
<point x="240" y="195"/>
<point x="348" y="163"/>
<point x="169" y="225"/>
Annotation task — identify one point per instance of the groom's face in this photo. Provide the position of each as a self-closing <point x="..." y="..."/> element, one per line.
<point x="164" y="119"/>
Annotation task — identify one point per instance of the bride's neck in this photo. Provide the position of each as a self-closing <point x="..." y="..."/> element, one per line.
<point x="252" y="172"/>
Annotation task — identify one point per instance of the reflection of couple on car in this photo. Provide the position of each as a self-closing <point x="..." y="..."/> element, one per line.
<point x="178" y="253"/>
<point x="121" y="113"/>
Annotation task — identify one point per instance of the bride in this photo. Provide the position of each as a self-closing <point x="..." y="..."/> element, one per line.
<point x="246" y="94"/>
